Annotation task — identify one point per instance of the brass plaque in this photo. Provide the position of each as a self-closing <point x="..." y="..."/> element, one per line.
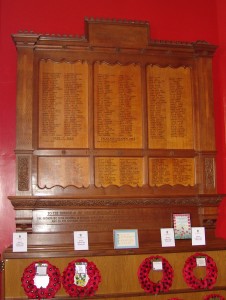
<point x="63" y="104"/>
<point x="63" y="171"/>
<point x="170" y="108"/>
<point x="117" y="106"/>
<point x="119" y="171"/>
<point x="171" y="171"/>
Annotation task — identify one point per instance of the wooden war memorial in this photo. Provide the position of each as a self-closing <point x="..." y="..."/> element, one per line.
<point x="114" y="131"/>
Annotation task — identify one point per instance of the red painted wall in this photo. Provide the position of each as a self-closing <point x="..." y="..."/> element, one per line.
<point x="220" y="110"/>
<point x="173" y="20"/>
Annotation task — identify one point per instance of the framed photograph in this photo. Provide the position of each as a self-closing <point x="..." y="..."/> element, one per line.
<point x="182" y="226"/>
<point x="125" y="238"/>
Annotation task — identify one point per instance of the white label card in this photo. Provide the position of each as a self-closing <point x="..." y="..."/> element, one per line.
<point x="20" y="242"/>
<point x="198" y="236"/>
<point x="81" y="240"/>
<point x="167" y="237"/>
<point x="157" y="265"/>
<point x="80" y="268"/>
<point x="41" y="270"/>
<point x="201" y="261"/>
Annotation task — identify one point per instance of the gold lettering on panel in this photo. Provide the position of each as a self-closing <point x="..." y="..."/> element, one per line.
<point x="63" y="171"/>
<point x="63" y="104"/>
<point x="170" y="108"/>
<point x="118" y="106"/>
<point x="119" y="171"/>
<point x="171" y="171"/>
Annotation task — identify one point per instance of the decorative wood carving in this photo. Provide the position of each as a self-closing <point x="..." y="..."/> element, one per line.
<point x="23" y="173"/>
<point x="209" y="173"/>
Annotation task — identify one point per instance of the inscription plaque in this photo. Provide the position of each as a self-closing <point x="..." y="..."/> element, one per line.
<point x="170" y="108"/>
<point x="91" y="220"/>
<point x="63" y="171"/>
<point x="63" y="104"/>
<point x="171" y="171"/>
<point x="119" y="171"/>
<point x="117" y="106"/>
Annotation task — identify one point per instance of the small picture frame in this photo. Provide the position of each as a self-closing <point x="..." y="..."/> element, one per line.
<point x="125" y="238"/>
<point x="182" y="226"/>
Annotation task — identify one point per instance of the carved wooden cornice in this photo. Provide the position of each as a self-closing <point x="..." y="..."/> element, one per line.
<point x="93" y="38"/>
<point x="37" y="202"/>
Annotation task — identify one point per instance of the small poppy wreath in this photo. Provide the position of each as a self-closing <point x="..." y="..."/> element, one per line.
<point x="211" y="272"/>
<point x="214" y="297"/>
<point x="28" y="283"/>
<point x="143" y="275"/>
<point x="89" y="288"/>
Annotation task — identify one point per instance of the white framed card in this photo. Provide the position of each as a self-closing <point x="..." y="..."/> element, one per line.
<point x="125" y="238"/>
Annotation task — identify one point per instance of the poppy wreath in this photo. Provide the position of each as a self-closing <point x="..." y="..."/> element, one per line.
<point x="143" y="275"/>
<point x="31" y="290"/>
<point x="214" y="297"/>
<point x="203" y="283"/>
<point x="68" y="279"/>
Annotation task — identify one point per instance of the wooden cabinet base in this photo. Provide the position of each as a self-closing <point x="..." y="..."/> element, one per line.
<point x="119" y="276"/>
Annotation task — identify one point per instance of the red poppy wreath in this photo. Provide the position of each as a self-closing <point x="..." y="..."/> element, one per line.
<point x="211" y="272"/>
<point x="143" y="275"/>
<point x="214" y="297"/>
<point x="81" y="278"/>
<point x="30" y="279"/>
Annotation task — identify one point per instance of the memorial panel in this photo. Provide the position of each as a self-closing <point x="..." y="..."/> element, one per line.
<point x="119" y="171"/>
<point x="117" y="106"/>
<point x="63" y="104"/>
<point x="170" y="108"/>
<point x="171" y="171"/>
<point x="63" y="171"/>
<point x="79" y="219"/>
